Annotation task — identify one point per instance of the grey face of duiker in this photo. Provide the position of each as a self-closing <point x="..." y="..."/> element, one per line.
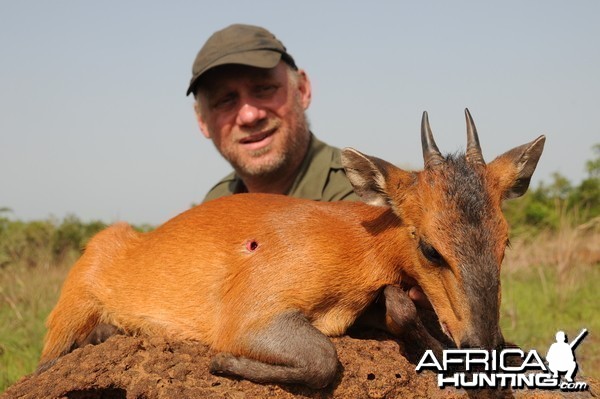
<point x="476" y="236"/>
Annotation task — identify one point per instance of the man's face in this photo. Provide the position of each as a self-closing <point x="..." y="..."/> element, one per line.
<point x="255" y="117"/>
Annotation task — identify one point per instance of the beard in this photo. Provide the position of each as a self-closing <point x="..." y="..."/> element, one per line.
<point x="269" y="161"/>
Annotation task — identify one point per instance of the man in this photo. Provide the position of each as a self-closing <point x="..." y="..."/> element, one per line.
<point x="250" y="101"/>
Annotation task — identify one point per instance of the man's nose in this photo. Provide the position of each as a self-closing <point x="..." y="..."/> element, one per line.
<point x="249" y="115"/>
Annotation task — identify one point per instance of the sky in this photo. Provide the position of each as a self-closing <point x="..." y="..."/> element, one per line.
<point x="94" y="120"/>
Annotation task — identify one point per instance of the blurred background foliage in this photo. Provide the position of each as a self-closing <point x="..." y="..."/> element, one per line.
<point x="544" y="206"/>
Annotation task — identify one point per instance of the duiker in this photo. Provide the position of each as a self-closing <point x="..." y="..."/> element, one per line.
<point x="265" y="279"/>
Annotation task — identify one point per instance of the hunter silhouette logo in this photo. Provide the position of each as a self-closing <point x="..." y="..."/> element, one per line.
<point x="561" y="357"/>
<point x="508" y="368"/>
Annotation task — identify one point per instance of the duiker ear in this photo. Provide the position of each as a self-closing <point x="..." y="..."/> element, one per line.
<point x="367" y="176"/>
<point x="371" y="177"/>
<point x="514" y="168"/>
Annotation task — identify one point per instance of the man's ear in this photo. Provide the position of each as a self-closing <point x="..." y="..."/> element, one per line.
<point x="514" y="168"/>
<point x="304" y="88"/>
<point x="201" y="121"/>
<point x="376" y="181"/>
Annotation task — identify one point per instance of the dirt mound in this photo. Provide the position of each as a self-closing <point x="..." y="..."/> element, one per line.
<point x="135" y="367"/>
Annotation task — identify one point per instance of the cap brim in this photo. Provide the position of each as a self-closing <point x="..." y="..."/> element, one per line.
<point x="254" y="58"/>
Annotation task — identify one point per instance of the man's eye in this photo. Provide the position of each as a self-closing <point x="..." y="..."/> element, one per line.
<point x="224" y="101"/>
<point x="266" y="90"/>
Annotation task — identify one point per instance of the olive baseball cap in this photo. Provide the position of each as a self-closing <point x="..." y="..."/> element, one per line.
<point x="239" y="44"/>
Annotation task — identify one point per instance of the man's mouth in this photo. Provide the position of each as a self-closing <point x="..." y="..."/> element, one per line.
<point x="256" y="141"/>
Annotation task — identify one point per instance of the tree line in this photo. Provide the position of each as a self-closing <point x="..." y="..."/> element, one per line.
<point x="559" y="202"/>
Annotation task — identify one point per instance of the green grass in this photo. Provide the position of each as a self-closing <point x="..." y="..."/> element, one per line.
<point x="536" y="303"/>
<point x="27" y="296"/>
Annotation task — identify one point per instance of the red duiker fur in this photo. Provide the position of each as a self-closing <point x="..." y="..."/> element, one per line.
<point x="264" y="279"/>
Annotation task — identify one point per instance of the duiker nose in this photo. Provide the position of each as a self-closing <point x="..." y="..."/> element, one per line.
<point x="471" y="341"/>
<point x="479" y="341"/>
<point x="467" y="344"/>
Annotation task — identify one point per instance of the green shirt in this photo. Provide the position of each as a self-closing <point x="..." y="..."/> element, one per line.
<point x="321" y="177"/>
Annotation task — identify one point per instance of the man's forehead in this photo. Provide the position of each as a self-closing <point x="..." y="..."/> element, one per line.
<point x="234" y="73"/>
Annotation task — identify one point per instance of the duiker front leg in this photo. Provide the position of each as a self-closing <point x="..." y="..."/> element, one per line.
<point x="297" y="353"/>
<point x="403" y="321"/>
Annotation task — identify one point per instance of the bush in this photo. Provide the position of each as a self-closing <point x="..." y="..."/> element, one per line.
<point x="43" y="243"/>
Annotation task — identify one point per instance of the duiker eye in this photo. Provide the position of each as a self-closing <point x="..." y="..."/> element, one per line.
<point x="431" y="253"/>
